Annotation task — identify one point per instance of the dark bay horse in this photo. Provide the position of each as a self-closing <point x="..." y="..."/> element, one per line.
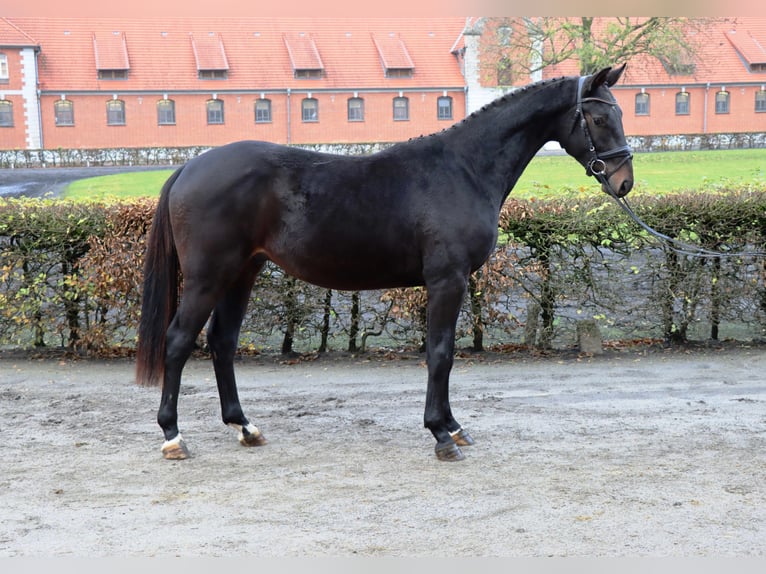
<point x="423" y="212"/>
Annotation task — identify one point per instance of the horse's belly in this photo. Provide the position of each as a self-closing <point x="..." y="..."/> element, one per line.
<point x="351" y="270"/>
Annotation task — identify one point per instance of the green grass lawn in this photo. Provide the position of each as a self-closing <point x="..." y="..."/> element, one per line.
<point x="120" y="186"/>
<point x="545" y="176"/>
<point x="654" y="173"/>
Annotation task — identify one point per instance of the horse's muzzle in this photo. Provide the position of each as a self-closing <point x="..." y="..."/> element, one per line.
<point x="621" y="189"/>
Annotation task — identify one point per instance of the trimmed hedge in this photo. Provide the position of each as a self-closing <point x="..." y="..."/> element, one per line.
<point x="70" y="276"/>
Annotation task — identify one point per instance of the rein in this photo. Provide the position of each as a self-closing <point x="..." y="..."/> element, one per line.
<point x="597" y="168"/>
<point x="681" y="247"/>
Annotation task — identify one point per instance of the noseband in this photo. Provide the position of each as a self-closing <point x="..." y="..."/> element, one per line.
<point x="596" y="165"/>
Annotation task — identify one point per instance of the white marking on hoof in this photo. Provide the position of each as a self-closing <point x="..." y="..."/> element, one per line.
<point x="175" y="448"/>
<point x="253" y="436"/>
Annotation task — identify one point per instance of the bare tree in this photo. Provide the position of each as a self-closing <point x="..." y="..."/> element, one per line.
<point x="527" y="45"/>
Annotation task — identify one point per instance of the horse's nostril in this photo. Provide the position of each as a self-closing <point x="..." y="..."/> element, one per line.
<point x="627" y="185"/>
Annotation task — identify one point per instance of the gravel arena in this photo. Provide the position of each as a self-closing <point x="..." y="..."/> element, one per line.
<point x="633" y="453"/>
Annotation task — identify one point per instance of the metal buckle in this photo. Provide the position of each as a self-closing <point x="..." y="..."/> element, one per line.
<point x="597" y="167"/>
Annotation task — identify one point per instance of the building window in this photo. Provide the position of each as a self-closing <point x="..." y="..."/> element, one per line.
<point x="308" y="74"/>
<point x="166" y="113"/>
<point x="642" y="104"/>
<point x="310" y="110"/>
<point x="760" y="100"/>
<point x="212" y="74"/>
<point x="6" y="114"/>
<point x="214" y="111"/>
<point x="682" y="104"/>
<point x="355" y="110"/>
<point x="399" y="72"/>
<point x="444" y="108"/>
<point x="113" y="74"/>
<point x="504" y="34"/>
<point x="401" y="109"/>
<point x="262" y="111"/>
<point x="722" y="102"/>
<point x="505" y="72"/>
<point x="4" y="74"/>
<point x="115" y="113"/>
<point x="64" y="112"/>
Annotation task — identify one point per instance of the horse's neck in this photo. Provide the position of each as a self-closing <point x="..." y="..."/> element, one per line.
<point x="502" y="138"/>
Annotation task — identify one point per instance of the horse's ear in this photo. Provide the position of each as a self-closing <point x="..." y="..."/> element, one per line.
<point x="598" y="79"/>
<point x="614" y="74"/>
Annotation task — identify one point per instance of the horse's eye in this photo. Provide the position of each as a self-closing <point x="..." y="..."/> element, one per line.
<point x="599" y="120"/>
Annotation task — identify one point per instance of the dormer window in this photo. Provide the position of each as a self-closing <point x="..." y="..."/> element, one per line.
<point x="210" y="57"/>
<point x="394" y="56"/>
<point x="111" y="51"/>
<point x="304" y="57"/>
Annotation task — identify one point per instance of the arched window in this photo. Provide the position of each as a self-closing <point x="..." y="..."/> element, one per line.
<point x="444" y="108"/>
<point x="166" y="112"/>
<point x="401" y="109"/>
<point x="64" y="112"/>
<point x="722" y="102"/>
<point x="214" y="111"/>
<point x="310" y="110"/>
<point x="355" y="110"/>
<point x="262" y="111"/>
<point x="6" y="114"/>
<point x="682" y="103"/>
<point x="115" y="113"/>
<point x="642" y="104"/>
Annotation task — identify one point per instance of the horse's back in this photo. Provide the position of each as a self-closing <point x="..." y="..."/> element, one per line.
<point x="345" y="222"/>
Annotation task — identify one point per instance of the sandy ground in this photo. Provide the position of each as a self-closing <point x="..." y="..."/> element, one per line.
<point x="640" y="453"/>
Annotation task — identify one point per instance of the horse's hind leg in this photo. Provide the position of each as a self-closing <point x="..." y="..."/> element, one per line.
<point x="223" y="337"/>
<point x="181" y="337"/>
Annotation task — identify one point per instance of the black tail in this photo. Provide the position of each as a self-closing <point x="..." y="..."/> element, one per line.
<point x="160" y="293"/>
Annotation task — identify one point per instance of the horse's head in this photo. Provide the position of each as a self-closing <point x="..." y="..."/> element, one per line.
<point x="596" y="138"/>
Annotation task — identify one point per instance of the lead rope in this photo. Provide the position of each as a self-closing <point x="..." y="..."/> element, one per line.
<point x="597" y="168"/>
<point x="680" y="247"/>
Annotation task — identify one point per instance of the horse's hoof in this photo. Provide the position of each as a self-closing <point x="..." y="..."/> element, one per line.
<point x="449" y="452"/>
<point x="462" y="438"/>
<point x="175" y="449"/>
<point x="250" y="435"/>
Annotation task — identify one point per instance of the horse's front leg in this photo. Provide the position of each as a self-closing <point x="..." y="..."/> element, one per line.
<point x="444" y="300"/>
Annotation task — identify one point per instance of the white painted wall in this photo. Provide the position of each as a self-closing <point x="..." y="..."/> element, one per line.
<point x="31" y="101"/>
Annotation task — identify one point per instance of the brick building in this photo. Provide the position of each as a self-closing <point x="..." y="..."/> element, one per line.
<point x="114" y="82"/>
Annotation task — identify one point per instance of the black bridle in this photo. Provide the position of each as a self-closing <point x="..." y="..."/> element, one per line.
<point x="596" y="166"/>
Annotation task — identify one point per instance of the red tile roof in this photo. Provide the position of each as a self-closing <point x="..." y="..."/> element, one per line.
<point x="263" y="53"/>
<point x="715" y="60"/>
<point x="162" y="57"/>
<point x="10" y="35"/>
